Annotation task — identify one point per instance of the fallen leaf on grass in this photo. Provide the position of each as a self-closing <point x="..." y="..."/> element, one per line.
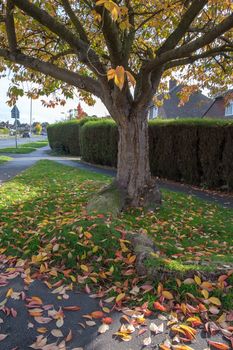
<point x="159" y="306"/>
<point x="120" y="297"/>
<point x="215" y="301"/>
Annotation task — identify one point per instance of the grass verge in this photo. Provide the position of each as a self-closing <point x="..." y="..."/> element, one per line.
<point x="4" y="159"/>
<point x="43" y="218"/>
<point x="24" y="148"/>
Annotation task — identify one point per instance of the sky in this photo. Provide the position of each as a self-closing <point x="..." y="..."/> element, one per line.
<point x="40" y="113"/>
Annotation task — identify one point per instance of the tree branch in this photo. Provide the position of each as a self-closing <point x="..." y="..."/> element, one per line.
<point x="82" y="82"/>
<point x="188" y="49"/>
<point x="74" y="19"/>
<point x="189" y="60"/>
<point x="10" y="26"/>
<point x="85" y="53"/>
<point x="187" y="19"/>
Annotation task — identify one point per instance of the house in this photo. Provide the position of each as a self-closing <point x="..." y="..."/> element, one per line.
<point x="222" y="106"/>
<point x="196" y="107"/>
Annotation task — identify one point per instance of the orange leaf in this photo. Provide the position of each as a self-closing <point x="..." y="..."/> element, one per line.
<point x="97" y="314"/>
<point x="130" y="78"/>
<point x="111" y="74"/>
<point x="107" y="320"/>
<point x="37" y="300"/>
<point x="159" y="306"/>
<point x="217" y="345"/>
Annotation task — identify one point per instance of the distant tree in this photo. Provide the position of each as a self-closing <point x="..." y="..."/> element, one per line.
<point x="80" y="112"/>
<point x="38" y="128"/>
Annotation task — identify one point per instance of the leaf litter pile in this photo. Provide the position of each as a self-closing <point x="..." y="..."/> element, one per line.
<point x="47" y="235"/>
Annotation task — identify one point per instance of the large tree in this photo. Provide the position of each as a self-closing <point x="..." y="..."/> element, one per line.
<point x="103" y="47"/>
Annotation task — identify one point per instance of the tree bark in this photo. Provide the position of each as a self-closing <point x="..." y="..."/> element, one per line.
<point x="133" y="168"/>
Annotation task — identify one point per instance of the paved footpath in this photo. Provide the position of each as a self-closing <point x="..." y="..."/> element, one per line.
<point x="22" y="329"/>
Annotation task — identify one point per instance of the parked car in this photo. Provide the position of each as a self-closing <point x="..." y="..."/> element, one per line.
<point x="26" y="134"/>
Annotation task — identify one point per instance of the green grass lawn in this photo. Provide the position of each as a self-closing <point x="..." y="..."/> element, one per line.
<point x="4" y="159"/>
<point x="43" y="218"/>
<point x="24" y="148"/>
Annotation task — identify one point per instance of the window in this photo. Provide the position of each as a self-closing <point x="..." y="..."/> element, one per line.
<point x="229" y="109"/>
<point x="153" y="112"/>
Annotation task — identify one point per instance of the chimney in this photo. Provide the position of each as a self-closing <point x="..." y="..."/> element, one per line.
<point x="172" y="84"/>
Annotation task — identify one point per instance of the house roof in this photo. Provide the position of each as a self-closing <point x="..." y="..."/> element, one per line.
<point x="196" y="107"/>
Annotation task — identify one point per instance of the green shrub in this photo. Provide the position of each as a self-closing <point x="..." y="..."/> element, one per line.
<point x="4" y="131"/>
<point x="195" y="151"/>
<point x="64" y="136"/>
<point x="99" y="141"/>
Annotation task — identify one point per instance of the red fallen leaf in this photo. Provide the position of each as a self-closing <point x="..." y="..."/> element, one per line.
<point x="147" y="312"/>
<point x="222" y="278"/>
<point x="97" y="314"/>
<point x="147" y="287"/>
<point x="159" y="306"/>
<point x="71" y="308"/>
<point x="107" y="320"/>
<point x="218" y="345"/>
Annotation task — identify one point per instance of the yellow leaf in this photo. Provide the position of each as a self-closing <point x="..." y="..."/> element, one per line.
<point x="9" y="293"/>
<point x="167" y="295"/>
<point x="84" y="268"/>
<point x="120" y="297"/>
<point x="215" y="301"/>
<point x="119" y="78"/>
<point x="197" y="280"/>
<point x="222" y="318"/>
<point x="205" y="293"/>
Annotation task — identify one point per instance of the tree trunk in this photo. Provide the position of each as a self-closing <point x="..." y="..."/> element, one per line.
<point x="133" y="169"/>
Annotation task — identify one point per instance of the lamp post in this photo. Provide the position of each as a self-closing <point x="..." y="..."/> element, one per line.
<point x="30" y="127"/>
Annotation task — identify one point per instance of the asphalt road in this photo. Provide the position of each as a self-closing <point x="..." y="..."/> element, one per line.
<point x="10" y="142"/>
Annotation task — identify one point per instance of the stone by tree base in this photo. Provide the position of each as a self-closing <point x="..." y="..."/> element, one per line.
<point x="113" y="199"/>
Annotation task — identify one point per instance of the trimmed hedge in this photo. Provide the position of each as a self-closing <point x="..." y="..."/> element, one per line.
<point x="194" y="151"/>
<point x="64" y="136"/>
<point x="98" y="142"/>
